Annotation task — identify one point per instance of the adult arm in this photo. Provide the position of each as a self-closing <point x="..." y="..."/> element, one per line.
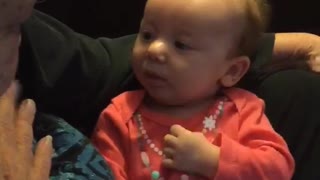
<point x="298" y="46"/>
<point x="69" y="74"/>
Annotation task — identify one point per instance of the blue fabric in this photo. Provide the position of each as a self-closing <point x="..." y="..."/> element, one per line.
<point x="74" y="157"/>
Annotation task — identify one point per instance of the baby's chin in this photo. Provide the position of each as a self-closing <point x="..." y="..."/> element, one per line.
<point x="164" y="99"/>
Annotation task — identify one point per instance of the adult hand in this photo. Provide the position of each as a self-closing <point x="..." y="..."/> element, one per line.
<point x="314" y="54"/>
<point x="14" y="12"/>
<point x="17" y="160"/>
<point x="298" y="46"/>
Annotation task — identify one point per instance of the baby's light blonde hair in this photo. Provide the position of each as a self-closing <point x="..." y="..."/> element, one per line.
<point x="256" y="14"/>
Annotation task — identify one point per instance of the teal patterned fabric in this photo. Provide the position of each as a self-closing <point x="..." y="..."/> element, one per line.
<point x="75" y="158"/>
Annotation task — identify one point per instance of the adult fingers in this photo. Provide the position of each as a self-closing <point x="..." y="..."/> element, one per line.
<point x="7" y="108"/>
<point x="7" y="132"/>
<point x="42" y="159"/>
<point x="24" y="131"/>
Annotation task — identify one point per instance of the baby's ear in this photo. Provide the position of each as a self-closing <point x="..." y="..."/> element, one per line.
<point x="238" y="67"/>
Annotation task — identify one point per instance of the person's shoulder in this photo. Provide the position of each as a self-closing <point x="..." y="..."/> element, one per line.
<point x="242" y="98"/>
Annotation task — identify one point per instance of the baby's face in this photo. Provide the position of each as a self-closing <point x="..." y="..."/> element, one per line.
<point x="182" y="48"/>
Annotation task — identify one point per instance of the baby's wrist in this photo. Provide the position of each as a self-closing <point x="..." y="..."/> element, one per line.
<point x="209" y="162"/>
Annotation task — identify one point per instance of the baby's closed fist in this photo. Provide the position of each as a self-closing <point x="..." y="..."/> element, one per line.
<point x="187" y="151"/>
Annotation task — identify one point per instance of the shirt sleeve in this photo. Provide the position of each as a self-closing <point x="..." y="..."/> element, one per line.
<point x="109" y="137"/>
<point x="71" y="75"/>
<point x="264" y="51"/>
<point x="258" y="152"/>
<point x="261" y="57"/>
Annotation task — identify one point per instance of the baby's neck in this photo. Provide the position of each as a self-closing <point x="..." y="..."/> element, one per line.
<point x="183" y="111"/>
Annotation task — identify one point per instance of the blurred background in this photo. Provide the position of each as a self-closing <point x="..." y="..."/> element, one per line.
<point x="114" y="18"/>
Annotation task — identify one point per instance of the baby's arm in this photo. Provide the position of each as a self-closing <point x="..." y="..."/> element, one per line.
<point x="109" y="140"/>
<point x="258" y="153"/>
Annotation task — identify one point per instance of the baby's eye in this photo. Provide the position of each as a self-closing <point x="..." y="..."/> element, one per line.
<point x="181" y="45"/>
<point x="146" y="35"/>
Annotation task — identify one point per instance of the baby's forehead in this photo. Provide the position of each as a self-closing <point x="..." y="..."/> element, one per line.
<point x="215" y="12"/>
<point x="194" y="6"/>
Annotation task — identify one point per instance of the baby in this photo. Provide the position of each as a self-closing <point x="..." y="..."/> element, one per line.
<point x="189" y="122"/>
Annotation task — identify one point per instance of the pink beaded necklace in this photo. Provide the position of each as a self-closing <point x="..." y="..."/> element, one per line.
<point x="209" y="124"/>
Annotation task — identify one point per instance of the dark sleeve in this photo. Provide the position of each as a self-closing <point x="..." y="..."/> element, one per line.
<point x="263" y="55"/>
<point x="259" y="60"/>
<point x="71" y="75"/>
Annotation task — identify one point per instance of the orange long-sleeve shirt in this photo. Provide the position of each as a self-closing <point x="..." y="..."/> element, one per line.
<point x="249" y="148"/>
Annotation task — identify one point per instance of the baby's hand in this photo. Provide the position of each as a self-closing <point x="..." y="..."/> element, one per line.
<point x="190" y="152"/>
<point x="14" y="13"/>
